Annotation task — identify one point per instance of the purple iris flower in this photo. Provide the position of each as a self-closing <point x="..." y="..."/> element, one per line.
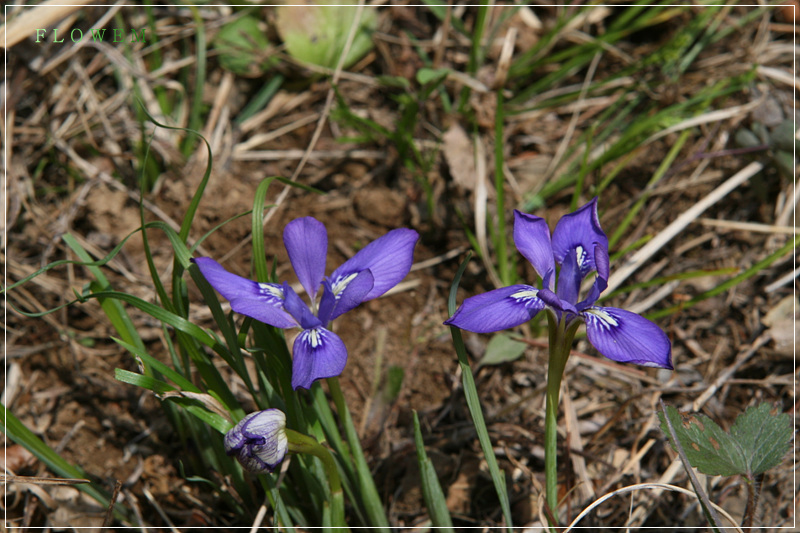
<point x="318" y="352"/>
<point x="578" y="246"/>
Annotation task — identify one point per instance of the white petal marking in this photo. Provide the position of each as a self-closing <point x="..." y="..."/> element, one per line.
<point x="580" y="255"/>
<point x="271" y="290"/>
<point x="605" y="319"/>
<point x="341" y="283"/>
<point x="525" y="294"/>
<point x="314" y="337"/>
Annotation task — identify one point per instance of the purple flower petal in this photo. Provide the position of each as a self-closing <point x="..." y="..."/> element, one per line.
<point x="318" y="353"/>
<point x="627" y="337"/>
<point x="569" y="280"/>
<point x="532" y="238"/>
<point x="601" y="262"/>
<point x="306" y="240"/>
<point x="262" y="301"/>
<point x="354" y="292"/>
<point x="598" y="287"/>
<point x="551" y="300"/>
<point x="263" y="312"/>
<point x="299" y="310"/>
<point x="498" y="309"/>
<point x="388" y="258"/>
<point x="577" y="233"/>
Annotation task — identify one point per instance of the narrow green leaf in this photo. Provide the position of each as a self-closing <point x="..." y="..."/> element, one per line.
<point x="474" y="404"/>
<point x="214" y="420"/>
<point x="431" y="489"/>
<point x="19" y="433"/>
<point x="373" y="506"/>
<point x="145" y="382"/>
<point x="427" y="75"/>
<point x="114" y="310"/>
<point x="152" y="362"/>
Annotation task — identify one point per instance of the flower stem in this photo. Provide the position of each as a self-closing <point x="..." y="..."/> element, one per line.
<point x="299" y="443"/>
<point x="560" y="342"/>
<point x="366" y="484"/>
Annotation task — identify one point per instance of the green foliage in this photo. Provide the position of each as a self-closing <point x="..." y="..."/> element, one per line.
<point x="780" y="141"/>
<point x="758" y="440"/>
<point x="502" y="349"/>
<point x="317" y="33"/>
<point x="431" y="489"/>
<point x="474" y="404"/>
<point x="19" y="433"/>
<point x="242" y="45"/>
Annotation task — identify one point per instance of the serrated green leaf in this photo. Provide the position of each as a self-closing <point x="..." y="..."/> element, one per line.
<point x="765" y="438"/>
<point x="757" y="442"/>
<point x="708" y="448"/>
<point x="502" y="349"/>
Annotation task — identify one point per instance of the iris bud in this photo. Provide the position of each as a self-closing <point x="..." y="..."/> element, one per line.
<point x="259" y="441"/>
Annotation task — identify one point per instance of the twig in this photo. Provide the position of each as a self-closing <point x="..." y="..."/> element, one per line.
<point x="744" y="355"/>
<point x="657" y="486"/>
<point x="640" y="257"/>
<point x="110" y="510"/>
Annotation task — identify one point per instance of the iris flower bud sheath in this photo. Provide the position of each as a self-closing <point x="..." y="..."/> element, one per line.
<point x="259" y="441"/>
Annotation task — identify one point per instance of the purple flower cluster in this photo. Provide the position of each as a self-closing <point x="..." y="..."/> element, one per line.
<point x="578" y="246"/>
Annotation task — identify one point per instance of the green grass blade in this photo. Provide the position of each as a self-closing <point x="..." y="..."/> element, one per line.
<point x="150" y="361"/>
<point x="431" y="489"/>
<point x="113" y="309"/>
<point x="196" y="106"/>
<point x="750" y="272"/>
<point x="503" y="269"/>
<point x="368" y="492"/>
<point x="261" y="99"/>
<point x="474" y="404"/>
<point x="645" y="195"/>
<point x="19" y="433"/>
<point x="145" y="382"/>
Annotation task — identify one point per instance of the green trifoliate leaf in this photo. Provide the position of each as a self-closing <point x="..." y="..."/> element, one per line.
<point x="757" y="442"/>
